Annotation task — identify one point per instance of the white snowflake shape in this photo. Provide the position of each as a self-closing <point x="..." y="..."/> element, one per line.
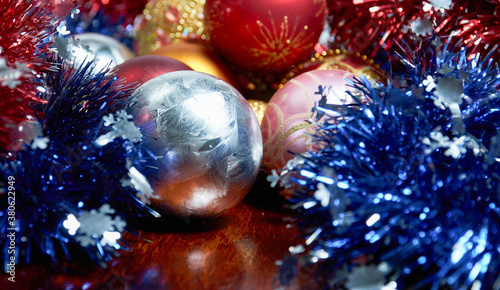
<point x="422" y="27"/>
<point x="63" y="47"/>
<point x="94" y="223"/>
<point x="40" y="143"/>
<point x="63" y="30"/>
<point x="140" y="183"/>
<point x="322" y="194"/>
<point x="109" y="238"/>
<point x="274" y="178"/>
<point x="11" y="76"/>
<point x="449" y="91"/>
<point x="108" y="120"/>
<point x="455" y="147"/>
<point x="441" y="4"/>
<point x="122" y="126"/>
<point x="429" y="84"/>
<point x="123" y="115"/>
<point x="72" y="224"/>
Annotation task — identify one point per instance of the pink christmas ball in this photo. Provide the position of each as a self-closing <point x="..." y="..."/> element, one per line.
<point x="285" y="127"/>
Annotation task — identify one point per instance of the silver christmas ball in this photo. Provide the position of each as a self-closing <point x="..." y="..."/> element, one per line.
<point x="103" y="50"/>
<point x="204" y="141"/>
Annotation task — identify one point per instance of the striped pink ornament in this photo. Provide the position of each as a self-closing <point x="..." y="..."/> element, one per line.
<point x="285" y="127"/>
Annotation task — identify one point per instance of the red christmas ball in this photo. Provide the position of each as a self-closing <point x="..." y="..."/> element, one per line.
<point x="264" y="35"/>
<point x="285" y="126"/>
<point x="143" y="68"/>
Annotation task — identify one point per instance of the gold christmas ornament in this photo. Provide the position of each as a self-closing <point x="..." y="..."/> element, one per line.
<point x="258" y="107"/>
<point x="199" y="58"/>
<point x="164" y="22"/>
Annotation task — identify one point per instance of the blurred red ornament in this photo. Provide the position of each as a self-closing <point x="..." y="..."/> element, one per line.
<point x="264" y="35"/>
<point x="285" y="126"/>
<point x="143" y="68"/>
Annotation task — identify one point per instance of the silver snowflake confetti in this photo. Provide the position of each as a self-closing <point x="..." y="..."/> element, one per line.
<point x="449" y="91"/>
<point x="91" y="226"/>
<point x="109" y="238"/>
<point x="441" y="4"/>
<point x="455" y="147"/>
<point x="140" y="183"/>
<point x="322" y="194"/>
<point x="429" y="84"/>
<point x="274" y="178"/>
<point x="63" y="30"/>
<point x="40" y="143"/>
<point x="122" y="126"/>
<point x="422" y="27"/>
<point x="11" y="76"/>
<point x="71" y="224"/>
<point x="65" y="47"/>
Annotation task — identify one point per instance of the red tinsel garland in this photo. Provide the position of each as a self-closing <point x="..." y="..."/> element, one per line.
<point x="367" y="26"/>
<point x="24" y="32"/>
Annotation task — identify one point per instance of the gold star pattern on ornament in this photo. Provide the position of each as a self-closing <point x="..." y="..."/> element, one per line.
<point x="275" y="46"/>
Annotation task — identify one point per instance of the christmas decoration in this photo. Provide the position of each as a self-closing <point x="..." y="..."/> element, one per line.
<point x="355" y="63"/>
<point x="285" y="126"/>
<point x="264" y="36"/>
<point x="258" y="107"/>
<point x="474" y="26"/>
<point x="199" y="58"/>
<point x="95" y="20"/>
<point x="376" y="26"/>
<point x="103" y="50"/>
<point x="141" y="69"/>
<point x="23" y="31"/>
<point x="205" y="143"/>
<point x="408" y="181"/>
<point x="166" y="22"/>
<point x="79" y="170"/>
<point x="394" y="169"/>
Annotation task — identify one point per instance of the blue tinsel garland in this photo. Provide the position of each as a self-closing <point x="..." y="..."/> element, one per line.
<point x="410" y="179"/>
<point x="75" y="186"/>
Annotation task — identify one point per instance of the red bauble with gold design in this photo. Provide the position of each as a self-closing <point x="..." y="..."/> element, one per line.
<point x="265" y="35"/>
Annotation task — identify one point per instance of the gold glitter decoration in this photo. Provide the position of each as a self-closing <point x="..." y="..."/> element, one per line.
<point x="340" y="59"/>
<point x="276" y="45"/>
<point x="259" y="107"/>
<point x="165" y="22"/>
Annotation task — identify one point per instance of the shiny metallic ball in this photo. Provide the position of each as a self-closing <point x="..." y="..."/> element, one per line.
<point x="102" y="49"/>
<point x="203" y="140"/>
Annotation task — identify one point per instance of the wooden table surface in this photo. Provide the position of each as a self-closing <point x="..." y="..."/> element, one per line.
<point x="236" y="251"/>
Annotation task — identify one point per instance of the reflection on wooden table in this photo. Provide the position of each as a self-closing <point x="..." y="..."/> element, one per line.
<point x="236" y="251"/>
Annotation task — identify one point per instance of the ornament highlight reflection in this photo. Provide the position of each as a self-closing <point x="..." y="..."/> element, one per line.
<point x="101" y="49"/>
